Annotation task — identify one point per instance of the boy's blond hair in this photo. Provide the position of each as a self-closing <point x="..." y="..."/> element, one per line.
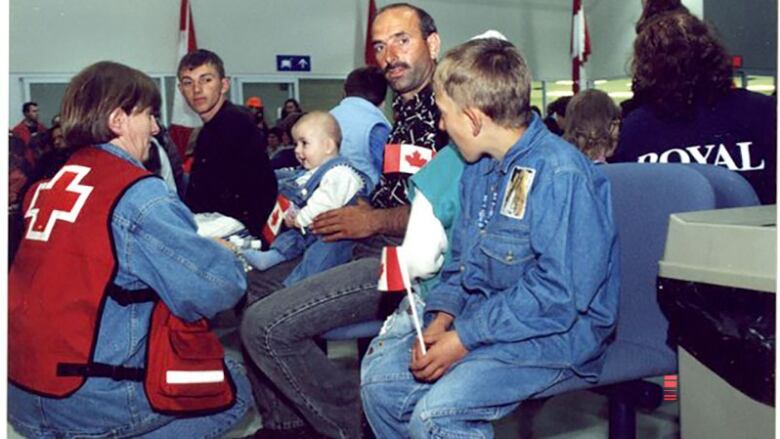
<point x="325" y="122"/>
<point x="488" y="74"/>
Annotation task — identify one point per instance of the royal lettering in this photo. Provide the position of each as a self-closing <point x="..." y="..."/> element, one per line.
<point x="648" y="158"/>
<point x="697" y="155"/>
<point x="718" y="155"/>
<point x="744" y="152"/>
<point x="683" y="156"/>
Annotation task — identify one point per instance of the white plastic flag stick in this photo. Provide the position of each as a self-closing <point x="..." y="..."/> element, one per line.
<point x="410" y="296"/>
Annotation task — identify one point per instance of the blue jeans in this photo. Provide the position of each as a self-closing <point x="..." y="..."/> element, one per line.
<point x="461" y="404"/>
<point x="318" y="255"/>
<point x="293" y="380"/>
<point x="78" y="416"/>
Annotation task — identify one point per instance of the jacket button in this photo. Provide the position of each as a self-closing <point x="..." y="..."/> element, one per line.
<point x="509" y="257"/>
<point x="462" y="268"/>
<point x="483" y="232"/>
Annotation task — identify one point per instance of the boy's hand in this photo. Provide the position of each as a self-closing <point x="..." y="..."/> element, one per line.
<point x="349" y="222"/>
<point x="440" y="323"/>
<point x="444" y="349"/>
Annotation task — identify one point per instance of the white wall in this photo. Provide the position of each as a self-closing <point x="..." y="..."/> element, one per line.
<point x="611" y="25"/>
<point x="63" y="36"/>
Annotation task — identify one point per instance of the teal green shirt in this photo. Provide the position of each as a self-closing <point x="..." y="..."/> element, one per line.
<point x="439" y="181"/>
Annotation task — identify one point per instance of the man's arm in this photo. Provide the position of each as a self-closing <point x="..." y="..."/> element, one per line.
<point x="360" y="221"/>
<point x="337" y="187"/>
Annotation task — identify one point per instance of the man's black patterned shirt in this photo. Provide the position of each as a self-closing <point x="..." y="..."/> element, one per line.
<point x="416" y="123"/>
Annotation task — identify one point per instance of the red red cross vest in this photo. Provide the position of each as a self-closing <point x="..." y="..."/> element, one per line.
<point x="64" y="264"/>
<point x="60" y="280"/>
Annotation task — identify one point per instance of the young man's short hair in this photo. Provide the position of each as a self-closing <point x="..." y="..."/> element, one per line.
<point x="368" y="83"/>
<point x="325" y="122"/>
<point x="200" y="57"/>
<point x="427" y="25"/>
<point x="27" y="105"/>
<point x="488" y="74"/>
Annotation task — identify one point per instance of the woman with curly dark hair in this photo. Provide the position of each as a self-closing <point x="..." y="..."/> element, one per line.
<point x="651" y="8"/>
<point x="679" y="63"/>
<point x="689" y="110"/>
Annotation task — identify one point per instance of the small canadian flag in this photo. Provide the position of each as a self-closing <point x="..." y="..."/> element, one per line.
<point x="393" y="275"/>
<point x="406" y="158"/>
<point x="276" y="219"/>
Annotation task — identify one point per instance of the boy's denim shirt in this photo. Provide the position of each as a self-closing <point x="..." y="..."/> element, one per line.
<point x="538" y="286"/>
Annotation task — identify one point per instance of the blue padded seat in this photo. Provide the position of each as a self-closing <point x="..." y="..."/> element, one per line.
<point x="731" y="188"/>
<point x="354" y="331"/>
<point x="644" y="195"/>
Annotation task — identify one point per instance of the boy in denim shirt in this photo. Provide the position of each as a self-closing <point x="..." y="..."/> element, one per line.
<point x="529" y="297"/>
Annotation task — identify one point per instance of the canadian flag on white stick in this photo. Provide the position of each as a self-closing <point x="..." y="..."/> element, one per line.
<point x="394" y="277"/>
<point x="183" y="119"/>
<point x="405" y="158"/>
<point x="275" y="219"/>
<point x="580" y="46"/>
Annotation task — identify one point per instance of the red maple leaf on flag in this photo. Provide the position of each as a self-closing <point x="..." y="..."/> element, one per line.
<point x="416" y="160"/>
<point x="275" y="217"/>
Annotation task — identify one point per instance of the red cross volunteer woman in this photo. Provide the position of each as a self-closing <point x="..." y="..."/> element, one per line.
<point x="111" y="289"/>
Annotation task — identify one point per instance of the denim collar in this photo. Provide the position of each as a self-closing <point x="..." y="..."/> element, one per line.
<point x="523" y="144"/>
<point x="121" y="153"/>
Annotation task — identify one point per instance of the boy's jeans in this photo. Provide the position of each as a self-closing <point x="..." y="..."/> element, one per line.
<point x="461" y="404"/>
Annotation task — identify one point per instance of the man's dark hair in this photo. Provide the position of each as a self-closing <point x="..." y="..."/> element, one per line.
<point x="200" y="57"/>
<point x="427" y="25"/>
<point x="368" y="83"/>
<point x="27" y="105"/>
<point x="558" y="106"/>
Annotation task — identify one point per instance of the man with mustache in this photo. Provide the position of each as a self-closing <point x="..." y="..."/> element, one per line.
<point x="298" y="390"/>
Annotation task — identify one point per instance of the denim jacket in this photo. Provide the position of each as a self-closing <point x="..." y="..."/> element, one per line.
<point x="156" y="246"/>
<point x="299" y="195"/>
<point x="537" y="285"/>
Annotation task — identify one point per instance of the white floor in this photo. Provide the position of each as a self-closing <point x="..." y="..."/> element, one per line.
<point x="579" y="415"/>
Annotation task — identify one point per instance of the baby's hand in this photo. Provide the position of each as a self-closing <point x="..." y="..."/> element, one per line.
<point x="227" y="244"/>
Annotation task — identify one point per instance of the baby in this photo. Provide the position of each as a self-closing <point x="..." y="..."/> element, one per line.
<point x="324" y="181"/>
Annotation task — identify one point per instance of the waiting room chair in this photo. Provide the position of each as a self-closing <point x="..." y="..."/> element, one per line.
<point x="731" y="188"/>
<point x="362" y="332"/>
<point x="643" y="197"/>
